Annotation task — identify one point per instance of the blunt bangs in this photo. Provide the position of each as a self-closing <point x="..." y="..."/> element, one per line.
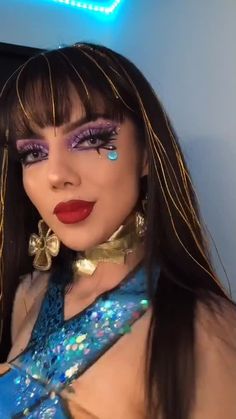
<point x="53" y="79"/>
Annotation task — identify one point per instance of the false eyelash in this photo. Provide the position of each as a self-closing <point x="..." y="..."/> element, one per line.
<point x="30" y="147"/>
<point x="104" y="134"/>
<point x="25" y="150"/>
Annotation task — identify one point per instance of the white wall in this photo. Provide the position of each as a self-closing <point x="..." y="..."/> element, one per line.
<point x="187" y="50"/>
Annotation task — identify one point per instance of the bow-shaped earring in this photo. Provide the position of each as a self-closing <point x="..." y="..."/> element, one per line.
<point x="43" y="246"/>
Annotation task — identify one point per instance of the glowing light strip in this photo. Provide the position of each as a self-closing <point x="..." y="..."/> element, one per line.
<point x="91" y="6"/>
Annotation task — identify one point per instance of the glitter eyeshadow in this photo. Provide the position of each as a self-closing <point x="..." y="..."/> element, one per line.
<point x="104" y="131"/>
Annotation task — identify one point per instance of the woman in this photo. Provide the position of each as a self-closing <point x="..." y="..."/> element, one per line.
<point x="122" y="314"/>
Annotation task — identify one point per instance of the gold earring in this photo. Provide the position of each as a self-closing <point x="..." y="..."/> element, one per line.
<point x="43" y="246"/>
<point x="140" y="219"/>
<point x="140" y="223"/>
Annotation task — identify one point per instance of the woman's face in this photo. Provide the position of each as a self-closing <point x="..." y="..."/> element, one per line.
<point x="73" y="179"/>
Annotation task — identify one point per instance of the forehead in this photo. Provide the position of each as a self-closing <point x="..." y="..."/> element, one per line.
<point x="73" y="113"/>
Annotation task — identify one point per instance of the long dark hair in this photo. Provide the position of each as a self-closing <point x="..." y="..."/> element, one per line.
<point x="175" y="238"/>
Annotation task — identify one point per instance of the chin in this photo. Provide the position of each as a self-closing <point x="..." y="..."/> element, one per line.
<point x="81" y="245"/>
<point x="86" y="235"/>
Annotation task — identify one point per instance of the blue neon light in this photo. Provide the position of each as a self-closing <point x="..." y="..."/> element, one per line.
<point x="106" y="7"/>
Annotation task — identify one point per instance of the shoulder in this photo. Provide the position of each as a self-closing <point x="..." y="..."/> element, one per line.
<point x="216" y="331"/>
<point x="31" y="289"/>
<point x="215" y="359"/>
<point x="216" y="320"/>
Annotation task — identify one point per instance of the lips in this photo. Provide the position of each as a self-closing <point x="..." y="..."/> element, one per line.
<point x="74" y="211"/>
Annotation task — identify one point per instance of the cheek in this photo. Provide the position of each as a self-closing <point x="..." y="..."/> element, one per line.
<point x="31" y="188"/>
<point x="118" y="184"/>
<point x="27" y="184"/>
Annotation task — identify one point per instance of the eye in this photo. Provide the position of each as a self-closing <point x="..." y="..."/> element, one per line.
<point x="94" y="138"/>
<point x="32" y="153"/>
<point x="93" y="141"/>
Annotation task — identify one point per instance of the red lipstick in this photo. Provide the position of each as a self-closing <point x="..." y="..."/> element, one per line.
<point x="74" y="211"/>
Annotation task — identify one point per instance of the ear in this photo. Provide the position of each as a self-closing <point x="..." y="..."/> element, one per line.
<point x="144" y="165"/>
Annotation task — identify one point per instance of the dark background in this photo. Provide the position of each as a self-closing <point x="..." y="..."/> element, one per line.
<point x="11" y="57"/>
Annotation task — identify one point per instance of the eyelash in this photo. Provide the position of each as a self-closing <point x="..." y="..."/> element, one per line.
<point x="29" y="149"/>
<point x="104" y="136"/>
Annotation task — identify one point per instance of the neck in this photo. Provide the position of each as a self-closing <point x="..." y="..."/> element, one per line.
<point x="107" y="276"/>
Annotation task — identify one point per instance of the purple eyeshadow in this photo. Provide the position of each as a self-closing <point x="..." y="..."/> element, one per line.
<point x="106" y="129"/>
<point x="25" y="145"/>
<point x="100" y="134"/>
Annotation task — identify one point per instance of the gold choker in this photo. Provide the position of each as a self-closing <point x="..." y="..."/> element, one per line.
<point x="125" y="240"/>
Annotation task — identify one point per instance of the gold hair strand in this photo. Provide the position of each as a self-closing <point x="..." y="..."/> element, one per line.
<point x="77" y="73"/>
<point x="18" y="91"/>
<point x="146" y="119"/>
<point x="113" y="87"/>
<point x="52" y="91"/>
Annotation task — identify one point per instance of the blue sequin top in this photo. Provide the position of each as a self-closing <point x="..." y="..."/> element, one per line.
<point x="59" y="350"/>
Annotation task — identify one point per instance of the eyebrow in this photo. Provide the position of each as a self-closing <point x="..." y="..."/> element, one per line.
<point x="87" y="118"/>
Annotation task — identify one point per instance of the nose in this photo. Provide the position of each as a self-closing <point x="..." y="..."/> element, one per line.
<point x="62" y="171"/>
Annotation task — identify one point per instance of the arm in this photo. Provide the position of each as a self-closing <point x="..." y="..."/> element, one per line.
<point x="216" y="363"/>
<point x="27" y="300"/>
<point x="20" y="306"/>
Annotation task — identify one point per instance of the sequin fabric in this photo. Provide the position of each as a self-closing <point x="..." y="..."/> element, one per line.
<point x="22" y="396"/>
<point x="61" y="350"/>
